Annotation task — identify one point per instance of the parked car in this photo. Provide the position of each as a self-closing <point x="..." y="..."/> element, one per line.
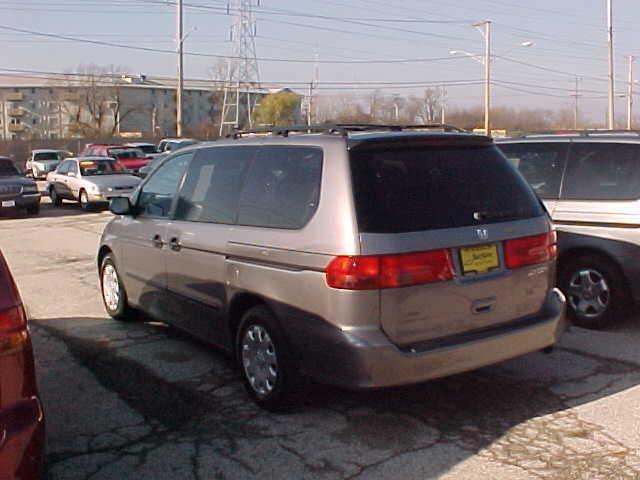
<point x="42" y="162"/>
<point x="151" y="166"/>
<point x="147" y="148"/>
<point x="22" y="426"/>
<point x="90" y="181"/>
<point x="16" y="191"/>
<point x="133" y="159"/>
<point x="172" y="144"/>
<point x="361" y="259"/>
<point x="590" y="184"/>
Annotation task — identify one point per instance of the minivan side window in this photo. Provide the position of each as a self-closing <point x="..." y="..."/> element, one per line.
<point x="602" y="171"/>
<point x="156" y="195"/>
<point x="212" y="185"/>
<point x="282" y="188"/>
<point x="541" y="164"/>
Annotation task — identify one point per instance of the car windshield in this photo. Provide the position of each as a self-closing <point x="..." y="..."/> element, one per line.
<point x="124" y="153"/>
<point x="47" y="156"/>
<point x="92" y="168"/>
<point x="7" y="168"/>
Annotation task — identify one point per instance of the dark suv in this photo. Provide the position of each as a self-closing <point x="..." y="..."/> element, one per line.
<point x="16" y="191"/>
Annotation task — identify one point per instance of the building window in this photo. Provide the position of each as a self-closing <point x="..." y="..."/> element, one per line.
<point x="51" y="91"/>
<point x="16" y="90"/>
<point x="33" y="90"/>
<point x="34" y="121"/>
<point x="33" y="105"/>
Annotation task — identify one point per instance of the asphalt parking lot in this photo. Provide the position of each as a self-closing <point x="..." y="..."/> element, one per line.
<point x="140" y="400"/>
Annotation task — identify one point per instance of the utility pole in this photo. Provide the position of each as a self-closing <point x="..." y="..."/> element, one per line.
<point x="576" y="95"/>
<point x="443" y="101"/>
<point x="487" y="73"/>
<point x="611" y="118"/>
<point x="630" y="95"/>
<point x="180" y="40"/>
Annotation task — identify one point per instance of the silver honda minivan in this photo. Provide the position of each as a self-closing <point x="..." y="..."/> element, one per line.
<point x="359" y="256"/>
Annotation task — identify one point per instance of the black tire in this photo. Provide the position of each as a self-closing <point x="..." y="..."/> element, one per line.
<point x="83" y="199"/>
<point x="121" y="310"/>
<point x="597" y="268"/>
<point x="56" y="200"/>
<point x="282" y="394"/>
<point x="33" y="209"/>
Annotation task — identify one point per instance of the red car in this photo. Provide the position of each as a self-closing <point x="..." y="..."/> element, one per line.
<point x="131" y="158"/>
<point x="21" y="416"/>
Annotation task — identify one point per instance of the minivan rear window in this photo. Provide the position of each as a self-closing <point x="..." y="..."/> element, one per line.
<point x="437" y="186"/>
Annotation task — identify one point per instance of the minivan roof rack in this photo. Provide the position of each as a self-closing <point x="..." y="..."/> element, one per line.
<point x="580" y="133"/>
<point x="340" y="129"/>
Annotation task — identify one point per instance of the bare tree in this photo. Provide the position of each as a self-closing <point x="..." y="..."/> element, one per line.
<point x="93" y="103"/>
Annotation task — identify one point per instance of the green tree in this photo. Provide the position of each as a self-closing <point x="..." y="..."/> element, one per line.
<point x="277" y="109"/>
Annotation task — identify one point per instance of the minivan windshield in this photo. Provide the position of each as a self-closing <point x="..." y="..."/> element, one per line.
<point x="92" y="168"/>
<point x="416" y="188"/>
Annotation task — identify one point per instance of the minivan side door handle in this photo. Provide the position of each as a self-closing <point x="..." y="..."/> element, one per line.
<point x="174" y="244"/>
<point x="157" y="241"/>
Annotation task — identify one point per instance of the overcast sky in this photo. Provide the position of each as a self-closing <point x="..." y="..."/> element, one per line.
<point x="569" y="38"/>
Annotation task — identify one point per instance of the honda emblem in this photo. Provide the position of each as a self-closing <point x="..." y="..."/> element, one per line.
<point x="483" y="233"/>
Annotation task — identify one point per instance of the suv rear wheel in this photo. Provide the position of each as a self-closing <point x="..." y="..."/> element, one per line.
<point x="265" y="361"/>
<point x="595" y="290"/>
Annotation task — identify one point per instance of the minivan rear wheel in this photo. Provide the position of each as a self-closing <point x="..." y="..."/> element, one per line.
<point x="114" y="295"/>
<point x="265" y="362"/>
<point x="594" y="289"/>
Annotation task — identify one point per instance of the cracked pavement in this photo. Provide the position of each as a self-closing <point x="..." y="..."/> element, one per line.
<point x="142" y="400"/>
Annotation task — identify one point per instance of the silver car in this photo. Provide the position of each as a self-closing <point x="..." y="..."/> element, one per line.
<point x="356" y="256"/>
<point x="90" y="181"/>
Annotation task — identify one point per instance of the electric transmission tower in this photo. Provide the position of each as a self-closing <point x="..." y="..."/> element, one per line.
<point x="243" y="74"/>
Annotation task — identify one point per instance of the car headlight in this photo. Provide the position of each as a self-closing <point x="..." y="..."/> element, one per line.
<point x="110" y="189"/>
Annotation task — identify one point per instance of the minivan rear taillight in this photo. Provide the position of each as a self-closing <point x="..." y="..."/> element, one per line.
<point x="521" y="252"/>
<point x="389" y="271"/>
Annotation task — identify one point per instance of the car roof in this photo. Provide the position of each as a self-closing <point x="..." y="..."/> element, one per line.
<point x="46" y="150"/>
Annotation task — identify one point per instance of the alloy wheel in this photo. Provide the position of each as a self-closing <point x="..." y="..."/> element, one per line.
<point x="589" y="293"/>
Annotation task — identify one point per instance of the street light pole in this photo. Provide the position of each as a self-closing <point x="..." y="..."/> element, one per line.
<point x="487" y="73"/>
<point x="630" y="95"/>
<point x="179" y="92"/>
<point x="611" y="74"/>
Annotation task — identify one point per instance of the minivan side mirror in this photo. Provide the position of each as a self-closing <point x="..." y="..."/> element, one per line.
<point x="120" y="206"/>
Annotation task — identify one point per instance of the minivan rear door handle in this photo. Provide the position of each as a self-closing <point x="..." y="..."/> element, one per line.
<point x="174" y="244"/>
<point x="157" y="241"/>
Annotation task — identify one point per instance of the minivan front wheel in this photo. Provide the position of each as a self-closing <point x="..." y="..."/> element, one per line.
<point x="594" y="289"/>
<point x="264" y="360"/>
<point x="114" y="295"/>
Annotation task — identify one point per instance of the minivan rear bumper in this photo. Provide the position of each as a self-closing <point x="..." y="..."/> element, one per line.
<point x="366" y="358"/>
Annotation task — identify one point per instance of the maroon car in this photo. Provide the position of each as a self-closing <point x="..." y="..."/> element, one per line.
<point x="131" y="158"/>
<point x="21" y="416"/>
